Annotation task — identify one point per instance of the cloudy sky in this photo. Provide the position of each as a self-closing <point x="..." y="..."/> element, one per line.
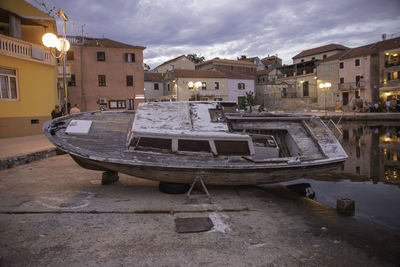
<point x="230" y="28"/>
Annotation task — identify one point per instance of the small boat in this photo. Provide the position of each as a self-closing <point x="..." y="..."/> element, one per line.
<point x="175" y="142"/>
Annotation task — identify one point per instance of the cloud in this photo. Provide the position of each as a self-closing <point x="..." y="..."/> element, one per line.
<point x="230" y="28"/>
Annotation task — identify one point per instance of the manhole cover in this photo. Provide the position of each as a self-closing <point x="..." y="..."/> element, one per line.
<point x="192" y="225"/>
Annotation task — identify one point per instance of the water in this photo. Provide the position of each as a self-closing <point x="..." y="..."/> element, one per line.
<point x="371" y="175"/>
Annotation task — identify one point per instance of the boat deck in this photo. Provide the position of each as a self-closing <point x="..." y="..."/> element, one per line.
<point x="107" y="138"/>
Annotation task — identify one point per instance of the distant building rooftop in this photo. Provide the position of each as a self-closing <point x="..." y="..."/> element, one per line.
<point x="100" y="42"/>
<point x="321" y="49"/>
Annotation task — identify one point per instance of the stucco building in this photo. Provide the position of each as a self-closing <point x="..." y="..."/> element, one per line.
<point x="153" y="86"/>
<point x="239" y="66"/>
<point x="105" y="74"/>
<point x="28" y="71"/>
<point x="179" y="63"/>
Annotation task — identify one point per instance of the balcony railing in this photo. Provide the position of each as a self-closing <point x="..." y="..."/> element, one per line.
<point x="24" y="50"/>
<point x="391" y="63"/>
<point x="352" y="86"/>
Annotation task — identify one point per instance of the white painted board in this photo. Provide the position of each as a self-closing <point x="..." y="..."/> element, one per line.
<point x="78" y="127"/>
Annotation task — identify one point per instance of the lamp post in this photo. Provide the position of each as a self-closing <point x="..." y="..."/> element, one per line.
<point x="325" y="87"/>
<point x="50" y="40"/>
<point x="196" y="86"/>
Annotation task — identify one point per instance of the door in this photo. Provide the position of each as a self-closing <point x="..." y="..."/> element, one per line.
<point x="345" y="99"/>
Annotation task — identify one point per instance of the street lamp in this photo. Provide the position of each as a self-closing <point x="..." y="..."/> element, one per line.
<point x="50" y="40"/>
<point x="196" y="87"/>
<point x="325" y="87"/>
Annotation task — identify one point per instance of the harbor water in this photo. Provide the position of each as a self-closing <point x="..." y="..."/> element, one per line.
<point x="370" y="176"/>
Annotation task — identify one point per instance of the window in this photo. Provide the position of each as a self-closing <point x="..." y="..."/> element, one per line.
<point x="129" y="80"/>
<point x="313" y="58"/>
<point x="8" y="84"/>
<point x="357" y="94"/>
<point x="156" y="86"/>
<point x="216" y="85"/>
<point x="115" y="104"/>
<point x="168" y="87"/>
<point x="70" y="55"/>
<point x="341" y="80"/>
<point x="302" y="60"/>
<point x="231" y="67"/>
<point x="395" y="75"/>
<point x="357" y="62"/>
<point x="341" y="65"/>
<point x="284" y="93"/>
<point x="251" y="69"/>
<point x="358" y="78"/>
<point x="130" y="57"/>
<point x="130" y="104"/>
<point x="203" y="86"/>
<point x="219" y="66"/>
<point x="305" y="89"/>
<point x="243" y="68"/>
<point x="72" y="81"/>
<point x="194" y="145"/>
<point x="101" y="56"/>
<point x="324" y="57"/>
<point x="232" y="147"/>
<point x="241" y="86"/>
<point x="159" y="143"/>
<point x="102" y="80"/>
<point x="389" y="76"/>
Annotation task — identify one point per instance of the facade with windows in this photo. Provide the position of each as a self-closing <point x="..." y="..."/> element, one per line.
<point x="28" y="71"/>
<point x="153" y="86"/>
<point x="105" y="74"/>
<point x="389" y="84"/>
<point x="239" y="66"/>
<point x="179" y="63"/>
<point x="318" y="53"/>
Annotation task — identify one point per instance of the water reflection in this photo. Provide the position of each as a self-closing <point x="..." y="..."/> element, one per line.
<point x="373" y="151"/>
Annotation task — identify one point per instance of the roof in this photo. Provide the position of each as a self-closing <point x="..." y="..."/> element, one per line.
<point x="153" y="77"/>
<point x="100" y="42"/>
<point x="198" y="74"/>
<point x="227" y="61"/>
<point x="250" y="59"/>
<point x="321" y="49"/>
<point x="264" y="72"/>
<point x="24" y="9"/>
<point x="236" y="75"/>
<point x="171" y="60"/>
<point x="366" y="49"/>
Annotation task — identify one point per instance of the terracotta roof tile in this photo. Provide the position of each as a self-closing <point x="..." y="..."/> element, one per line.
<point x="321" y="49"/>
<point x="198" y="74"/>
<point x="171" y="60"/>
<point x="227" y="61"/>
<point x="236" y="75"/>
<point x="153" y="77"/>
<point x="100" y="42"/>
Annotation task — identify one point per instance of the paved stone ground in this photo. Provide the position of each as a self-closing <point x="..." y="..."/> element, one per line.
<point x="53" y="212"/>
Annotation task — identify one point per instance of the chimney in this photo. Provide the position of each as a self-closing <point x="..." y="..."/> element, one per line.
<point x="384" y="37"/>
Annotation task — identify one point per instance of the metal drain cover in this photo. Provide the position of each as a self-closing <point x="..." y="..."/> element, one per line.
<point x="193" y="225"/>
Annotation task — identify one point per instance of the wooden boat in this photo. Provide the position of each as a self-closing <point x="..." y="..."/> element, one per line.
<point x="175" y="142"/>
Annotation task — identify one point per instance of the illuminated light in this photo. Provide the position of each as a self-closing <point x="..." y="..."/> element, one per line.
<point x="62" y="45"/>
<point x="387" y="94"/>
<point x="395" y="55"/>
<point x="190" y="84"/>
<point x="387" y="139"/>
<point x="315" y="78"/>
<point x="387" y="54"/>
<point x="49" y="40"/>
<point x="394" y="159"/>
<point x="198" y="84"/>
<point x="328" y="85"/>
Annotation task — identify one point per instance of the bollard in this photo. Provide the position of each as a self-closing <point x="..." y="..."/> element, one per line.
<point x="345" y="206"/>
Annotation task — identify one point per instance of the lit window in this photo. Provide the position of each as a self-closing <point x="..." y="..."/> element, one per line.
<point x="203" y="86"/>
<point x="8" y="84"/>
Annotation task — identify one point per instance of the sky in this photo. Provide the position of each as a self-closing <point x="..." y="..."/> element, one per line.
<point x="230" y="28"/>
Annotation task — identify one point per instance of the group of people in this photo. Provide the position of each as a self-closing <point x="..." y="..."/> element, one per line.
<point x="57" y="112"/>
<point x="376" y="107"/>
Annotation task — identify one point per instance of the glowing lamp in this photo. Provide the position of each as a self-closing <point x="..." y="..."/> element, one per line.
<point x="321" y="85"/>
<point x="198" y="84"/>
<point x="62" y="44"/>
<point x="190" y="84"/>
<point x="328" y="85"/>
<point x="49" y="40"/>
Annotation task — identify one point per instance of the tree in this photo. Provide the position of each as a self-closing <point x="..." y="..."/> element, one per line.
<point x="250" y="100"/>
<point x="241" y="57"/>
<point x="196" y="58"/>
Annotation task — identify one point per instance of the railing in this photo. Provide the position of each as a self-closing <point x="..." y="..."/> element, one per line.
<point x="352" y="86"/>
<point x="24" y="50"/>
<point x="391" y="63"/>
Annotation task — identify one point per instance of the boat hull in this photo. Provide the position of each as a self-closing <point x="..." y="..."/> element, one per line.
<point x="211" y="176"/>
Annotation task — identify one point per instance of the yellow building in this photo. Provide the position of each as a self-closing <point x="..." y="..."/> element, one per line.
<point x="28" y="72"/>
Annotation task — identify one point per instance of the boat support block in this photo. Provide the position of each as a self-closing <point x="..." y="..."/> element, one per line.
<point x="203" y="188"/>
<point x="109" y="177"/>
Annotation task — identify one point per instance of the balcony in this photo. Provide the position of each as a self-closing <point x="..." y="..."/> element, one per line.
<point x="392" y="63"/>
<point x="24" y="50"/>
<point x="352" y="86"/>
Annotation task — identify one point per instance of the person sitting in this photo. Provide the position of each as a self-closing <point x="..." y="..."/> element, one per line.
<point x="56" y="112"/>
<point x="75" y="109"/>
